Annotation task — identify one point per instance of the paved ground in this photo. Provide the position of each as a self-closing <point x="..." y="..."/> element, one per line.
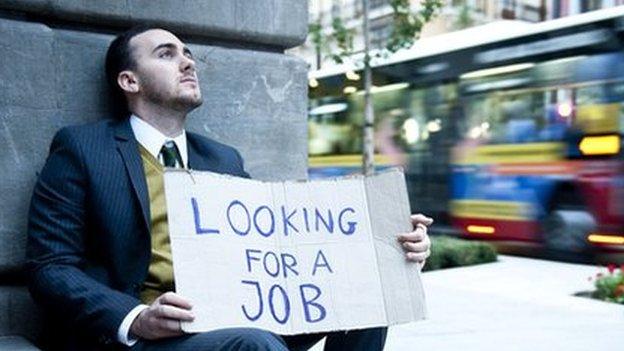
<point x="513" y="304"/>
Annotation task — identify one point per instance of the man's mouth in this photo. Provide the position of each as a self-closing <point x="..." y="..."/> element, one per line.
<point x="188" y="80"/>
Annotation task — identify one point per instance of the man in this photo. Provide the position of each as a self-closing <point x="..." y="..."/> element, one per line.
<point x="98" y="250"/>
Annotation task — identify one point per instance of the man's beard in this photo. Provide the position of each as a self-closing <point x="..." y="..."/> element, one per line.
<point x="185" y="103"/>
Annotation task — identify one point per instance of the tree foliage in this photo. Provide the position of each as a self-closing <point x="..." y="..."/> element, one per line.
<point x="408" y="24"/>
<point x="343" y="38"/>
<point x="405" y="30"/>
<point x="465" y="19"/>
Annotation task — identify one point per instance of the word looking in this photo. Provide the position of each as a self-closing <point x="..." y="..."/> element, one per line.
<point x="264" y="220"/>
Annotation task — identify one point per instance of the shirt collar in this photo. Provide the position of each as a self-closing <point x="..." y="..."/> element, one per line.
<point x="152" y="139"/>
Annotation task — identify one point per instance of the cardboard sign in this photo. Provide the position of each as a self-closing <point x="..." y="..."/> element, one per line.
<point x="292" y="257"/>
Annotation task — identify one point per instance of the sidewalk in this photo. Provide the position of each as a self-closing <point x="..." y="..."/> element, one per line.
<point x="513" y="304"/>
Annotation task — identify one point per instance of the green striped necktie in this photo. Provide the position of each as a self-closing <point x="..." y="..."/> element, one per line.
<point x="170" y="155"/>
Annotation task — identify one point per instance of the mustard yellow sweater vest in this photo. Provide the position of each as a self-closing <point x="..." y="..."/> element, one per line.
<point x="160" y="273"/>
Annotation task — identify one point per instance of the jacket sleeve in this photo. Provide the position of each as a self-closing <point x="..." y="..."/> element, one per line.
<point x="56" y="256"/>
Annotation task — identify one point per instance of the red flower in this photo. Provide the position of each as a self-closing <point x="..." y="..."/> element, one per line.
<point x="611" y="267"/>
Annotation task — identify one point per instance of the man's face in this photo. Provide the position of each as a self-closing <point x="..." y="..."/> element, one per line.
<point x="165" y="70"/>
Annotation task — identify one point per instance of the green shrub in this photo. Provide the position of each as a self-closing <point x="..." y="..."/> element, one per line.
<point x="447" y="252"/>
<point x="610" y="287"/>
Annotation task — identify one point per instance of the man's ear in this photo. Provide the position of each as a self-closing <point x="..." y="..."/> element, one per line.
<point x="128" y="81"/>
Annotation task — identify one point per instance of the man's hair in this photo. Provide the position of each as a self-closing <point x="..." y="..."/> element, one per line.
<point x="119" y="58"/>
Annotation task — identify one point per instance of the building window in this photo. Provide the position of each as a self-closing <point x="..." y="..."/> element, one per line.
<point x="508" y="9"/>
<point x="380" y="31"/>
<point x="590" y="5"/>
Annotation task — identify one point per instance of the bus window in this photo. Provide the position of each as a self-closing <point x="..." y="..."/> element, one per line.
<point x="599" y="107"/>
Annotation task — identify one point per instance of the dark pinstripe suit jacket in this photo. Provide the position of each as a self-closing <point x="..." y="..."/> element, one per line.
<point x="88" y="247"/>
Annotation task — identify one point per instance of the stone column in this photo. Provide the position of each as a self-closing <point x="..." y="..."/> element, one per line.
<point x="52" y="75"/>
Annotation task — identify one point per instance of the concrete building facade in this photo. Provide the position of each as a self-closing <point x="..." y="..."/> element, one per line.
<point x="52" y="75"/>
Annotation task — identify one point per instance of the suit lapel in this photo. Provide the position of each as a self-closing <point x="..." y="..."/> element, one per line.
<point x="129" y="150"/>
<point x="200" y="161"/>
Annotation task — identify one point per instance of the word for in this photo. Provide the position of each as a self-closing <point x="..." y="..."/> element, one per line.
<point x="275" y="265"/>
<point x="263" y="220"/>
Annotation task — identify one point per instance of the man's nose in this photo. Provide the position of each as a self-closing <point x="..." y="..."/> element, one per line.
<point x="187" y="64"/>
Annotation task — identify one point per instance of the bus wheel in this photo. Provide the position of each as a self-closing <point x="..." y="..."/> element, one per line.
<point x="567" y="230"/>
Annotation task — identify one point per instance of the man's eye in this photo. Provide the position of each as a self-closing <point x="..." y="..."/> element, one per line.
<point x="165" y="54"/>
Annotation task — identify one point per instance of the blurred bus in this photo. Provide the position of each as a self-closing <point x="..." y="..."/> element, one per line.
<point x="507" y="131"/>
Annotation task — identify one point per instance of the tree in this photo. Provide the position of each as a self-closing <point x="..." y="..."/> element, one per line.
<point x="406" y="27"/>
<point x="464" y="20"/>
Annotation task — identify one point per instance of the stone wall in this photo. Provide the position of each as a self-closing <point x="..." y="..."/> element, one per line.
<point x="52" y="75"/>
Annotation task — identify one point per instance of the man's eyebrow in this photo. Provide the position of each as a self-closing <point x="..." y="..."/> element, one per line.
<point x="164" y="45"/>
<point x="170" y="46"/>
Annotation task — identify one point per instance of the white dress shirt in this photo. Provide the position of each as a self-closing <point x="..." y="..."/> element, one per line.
<point x="152" y="140"/>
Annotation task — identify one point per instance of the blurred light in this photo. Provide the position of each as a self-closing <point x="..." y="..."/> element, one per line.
<point x="564" y="109"/>
<point x="329" y="108"/>
<point x="396" y="112"/>
<point x="389" y="87"/>
<point x="362" y="92"/>
<point x="434" y="126"/>
<point x="566" y="59"/>
<point x="433" y="68"/>
<point x="499" y="84"/>
<point x="424" y="135"/>
<point x="412" y="130"/>
<point x="313" y="83"/>
<point x="475" y="132"/>
<point x="606" y="239"/>
<point x="352" y="76"/>
<point x="386" y="88"/>
<point x="496" y="70"/>
<point x="480" y="229"/>
<point x="349" y="90"/>
<point x="600" y="145"/>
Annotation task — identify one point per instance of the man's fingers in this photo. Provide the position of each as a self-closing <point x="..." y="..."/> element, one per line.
<point x="171" y="298"/>
<point x="421" y="218"/>
<point x="172" y="327"/>
<point x="417" y="257"/>
<point x="160" y="320"/>
<point x="417" y="235"/>
<point x="172" y="312"/>
<point x="416" y="247"/>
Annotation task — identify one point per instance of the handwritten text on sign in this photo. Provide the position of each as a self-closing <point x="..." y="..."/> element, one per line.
<point x="290" y="257"/>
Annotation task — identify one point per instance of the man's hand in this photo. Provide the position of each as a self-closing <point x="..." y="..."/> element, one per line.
<point x="416" y="243"/>
<point x="163" y="318"/>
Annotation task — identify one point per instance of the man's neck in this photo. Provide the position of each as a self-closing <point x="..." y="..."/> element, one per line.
<point x="166" y="121"/>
